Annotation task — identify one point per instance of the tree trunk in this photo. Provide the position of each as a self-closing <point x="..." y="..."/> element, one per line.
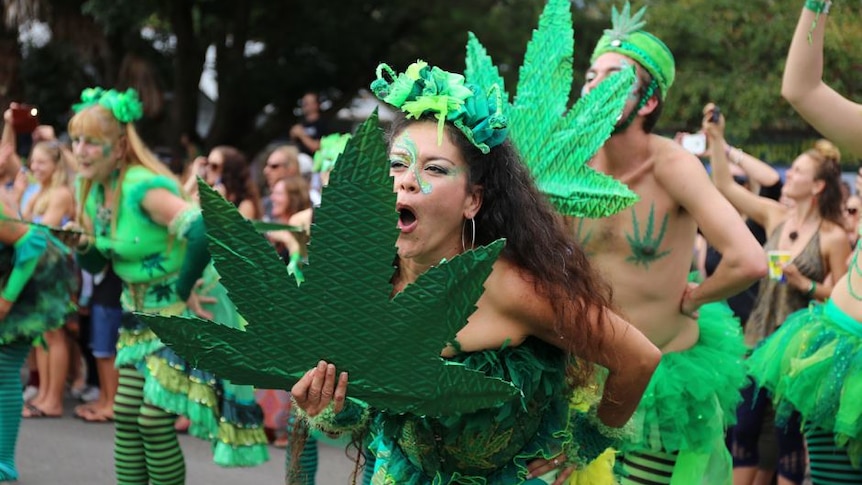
<point x="188" y="65"/>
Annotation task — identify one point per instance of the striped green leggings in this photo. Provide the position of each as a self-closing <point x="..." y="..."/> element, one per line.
<point x="146" y="449"/>
<point x="11" y="359"/>
<point x="830" y="464"/>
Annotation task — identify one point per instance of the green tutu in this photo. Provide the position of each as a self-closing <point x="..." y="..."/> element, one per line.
<point x="44" y="302"/>
<point x="693" y="394"/>
<point x="813" y="364"/>
<point x="692" y="399"/>
<point x="219" y="411"/>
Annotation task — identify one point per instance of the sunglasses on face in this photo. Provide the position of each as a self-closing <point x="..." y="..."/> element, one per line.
<point x="274" y="165"/>
<point x="852" y="210"/>
<point x="213" y="165"/>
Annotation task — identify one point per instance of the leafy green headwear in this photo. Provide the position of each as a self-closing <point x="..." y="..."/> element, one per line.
<point x="424" y="89"/>
<point x="125" y="106"/>
<point x="627" y="37"/>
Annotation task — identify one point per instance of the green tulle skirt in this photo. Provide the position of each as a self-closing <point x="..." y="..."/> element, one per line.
<point x="813" y="364"/>
<point x="693" y="395"/>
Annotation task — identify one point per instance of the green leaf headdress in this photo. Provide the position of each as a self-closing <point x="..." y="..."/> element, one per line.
<point x="557" y="142"/>
<point x="626" y="36"/>
<point x="125" y="106"/>
<point x="422" y="89"/>
<point x="343" y="312"/>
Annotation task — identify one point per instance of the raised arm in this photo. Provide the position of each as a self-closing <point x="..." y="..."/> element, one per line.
<point x="833" y="115"/>
<point x="761" y="210"/>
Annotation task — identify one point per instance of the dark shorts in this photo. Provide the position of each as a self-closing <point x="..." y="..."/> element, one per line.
<point x="105" y="322"/>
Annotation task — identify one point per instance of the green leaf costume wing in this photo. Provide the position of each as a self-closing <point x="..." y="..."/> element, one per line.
<point x="556" y="142"/>
<point x="343" y="312"/>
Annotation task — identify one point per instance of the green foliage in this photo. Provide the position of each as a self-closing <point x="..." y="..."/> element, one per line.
<point x="53" y="79"/>
<point x="343" y="312"/>
<point x="728" y="51"/>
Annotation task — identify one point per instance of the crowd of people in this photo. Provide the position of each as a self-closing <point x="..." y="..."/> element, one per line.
<point x="715" y="322"/>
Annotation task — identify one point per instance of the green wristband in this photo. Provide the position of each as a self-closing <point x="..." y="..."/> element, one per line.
<point x="818" y="6"/>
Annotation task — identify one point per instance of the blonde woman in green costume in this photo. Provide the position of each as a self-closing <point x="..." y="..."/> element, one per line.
<point x="813" y="362"/>
<point x="134" y="214"/>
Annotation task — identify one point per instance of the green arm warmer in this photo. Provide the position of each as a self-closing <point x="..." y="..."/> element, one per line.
<point x="197" y="257"/>
<point x="28" y="249"/>
<point x="354" y="417"/>
<point x="91" y="260"/>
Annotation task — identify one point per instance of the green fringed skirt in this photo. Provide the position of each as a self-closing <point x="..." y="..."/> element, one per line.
<point x="813" y="364"/>
<point x="219" y="411"/>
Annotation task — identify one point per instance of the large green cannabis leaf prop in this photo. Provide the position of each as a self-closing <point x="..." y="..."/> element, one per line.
<point x="555" y="142"/>
<point x="343" y="312"/>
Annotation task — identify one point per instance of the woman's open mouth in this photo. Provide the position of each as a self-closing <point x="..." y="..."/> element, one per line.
<point x="406" y="219"/>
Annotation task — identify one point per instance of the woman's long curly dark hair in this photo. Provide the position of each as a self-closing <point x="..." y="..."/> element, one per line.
<point x="236" y="178"/>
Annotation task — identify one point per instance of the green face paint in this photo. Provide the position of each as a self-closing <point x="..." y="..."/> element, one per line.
<point x="645" y="247"/>
<point x="406" y="144"/>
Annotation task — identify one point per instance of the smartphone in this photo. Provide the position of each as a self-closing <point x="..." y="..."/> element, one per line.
<point x="694" y="143"/>
<point x="716" y="115"/>
<point x="25" y="118"/>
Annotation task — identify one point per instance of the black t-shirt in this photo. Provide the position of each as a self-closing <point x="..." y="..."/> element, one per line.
<point x="107" y="292"/>
<point x="314" y="129"/>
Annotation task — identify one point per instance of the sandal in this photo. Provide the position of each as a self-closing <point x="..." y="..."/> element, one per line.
<point x="36" y="413"/>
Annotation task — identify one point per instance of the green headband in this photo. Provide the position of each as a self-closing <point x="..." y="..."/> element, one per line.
<point x="126" y="107"/>
<point x="331" y="147"/>
<point x="423" y="89"/>
<point x="626" y="37"/>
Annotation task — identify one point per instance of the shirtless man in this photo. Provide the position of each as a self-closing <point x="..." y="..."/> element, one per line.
<point x="646" y="252"/>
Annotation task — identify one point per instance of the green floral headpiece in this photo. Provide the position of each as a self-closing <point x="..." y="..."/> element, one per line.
<point x="126" y="106"/>
<point x="424" y="89"/>
<point x="331" y="146"/>
<point x="627" y="37"/>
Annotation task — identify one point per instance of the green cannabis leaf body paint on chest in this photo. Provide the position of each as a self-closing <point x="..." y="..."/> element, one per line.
<point x="343" y="313"/>
<point x="645" y="245"/>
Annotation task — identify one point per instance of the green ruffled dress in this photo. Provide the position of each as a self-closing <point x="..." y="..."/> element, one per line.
<point x="813" y="364"/>
<point x="490" y="446"/>
<point x="148" y="258"/>
<point x="44" y="302"/>
<point x="692" y="398"/>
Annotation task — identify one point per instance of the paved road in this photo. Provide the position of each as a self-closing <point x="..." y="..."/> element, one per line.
<point x="68" y="451"/>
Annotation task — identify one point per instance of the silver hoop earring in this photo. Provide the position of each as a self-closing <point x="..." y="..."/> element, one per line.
<point x="473" y="233"/>
<point x="473" y="238"/>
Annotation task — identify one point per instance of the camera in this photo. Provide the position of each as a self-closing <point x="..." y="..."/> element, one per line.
<point x="25" y="118"/>
<point x="716" y="115"/>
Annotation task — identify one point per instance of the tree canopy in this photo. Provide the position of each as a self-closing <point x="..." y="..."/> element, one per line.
<point x="269" y="53"/>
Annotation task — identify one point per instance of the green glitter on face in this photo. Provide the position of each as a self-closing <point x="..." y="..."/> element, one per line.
<point x="644" y="246"/>
<point x="405" y="143"/>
